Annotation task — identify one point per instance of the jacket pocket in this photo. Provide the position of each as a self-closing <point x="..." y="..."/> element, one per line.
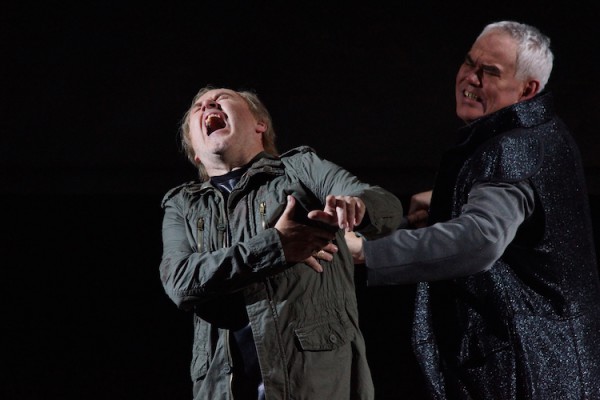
<point x="325" y="335"/>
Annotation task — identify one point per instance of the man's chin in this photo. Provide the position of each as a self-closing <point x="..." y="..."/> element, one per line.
<point x="468" y="115"/>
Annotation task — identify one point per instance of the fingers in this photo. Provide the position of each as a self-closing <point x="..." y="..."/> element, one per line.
<point x="311" y="244"/>
<point x="418" y="218"/>
<point x="314" y="264"/>
<point x="299" y="240"/>
<point x="330" y="204"/>
<point x="340" y="210"/>
<point x="325" y="254"/>
<point x="359" y="212"/>
<point x="336" y="206"/>
<point x="346" y="212"/>
<point x="349" y="210"/>
<point x="420" y="201"/>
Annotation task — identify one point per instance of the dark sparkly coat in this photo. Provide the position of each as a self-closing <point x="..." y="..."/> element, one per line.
<point x="529" y="328"/>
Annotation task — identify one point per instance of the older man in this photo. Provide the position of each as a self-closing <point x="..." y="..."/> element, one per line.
<point x="508" y="304"/>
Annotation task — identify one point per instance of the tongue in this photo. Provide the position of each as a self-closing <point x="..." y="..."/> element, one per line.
<point x="213" y="123"/>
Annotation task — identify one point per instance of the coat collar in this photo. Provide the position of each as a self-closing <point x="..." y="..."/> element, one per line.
<point x="524" y="114"/>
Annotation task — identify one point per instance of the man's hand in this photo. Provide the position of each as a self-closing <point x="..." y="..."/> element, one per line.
<point x="346" y="212"/>
<point x="303" y="243"/>
<point x="418" y="211"/>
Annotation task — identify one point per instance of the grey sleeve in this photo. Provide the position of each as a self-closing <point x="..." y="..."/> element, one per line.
<point x="463" y="246"/>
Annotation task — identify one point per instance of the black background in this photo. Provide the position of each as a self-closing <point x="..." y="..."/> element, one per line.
<point x="92" y="97"/>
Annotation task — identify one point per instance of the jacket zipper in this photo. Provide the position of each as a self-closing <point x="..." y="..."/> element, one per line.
<point x="262" y="209"/>
<point x="200" y="236"/>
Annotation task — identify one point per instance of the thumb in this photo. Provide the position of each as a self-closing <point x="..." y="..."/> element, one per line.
<point x="289" y="208"/>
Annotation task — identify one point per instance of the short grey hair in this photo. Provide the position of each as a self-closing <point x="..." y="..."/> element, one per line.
<point x="534" y="57"/>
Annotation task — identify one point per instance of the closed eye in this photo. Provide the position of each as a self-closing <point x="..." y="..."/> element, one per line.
<point x="469" y="61"/>
<point x="491" y="70"/>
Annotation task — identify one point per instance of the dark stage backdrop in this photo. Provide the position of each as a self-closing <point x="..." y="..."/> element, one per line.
<point x="92" y="97"/>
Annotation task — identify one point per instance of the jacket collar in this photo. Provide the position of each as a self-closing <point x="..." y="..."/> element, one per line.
<point x="263" y="162"/>
<point x="524" y="114"/>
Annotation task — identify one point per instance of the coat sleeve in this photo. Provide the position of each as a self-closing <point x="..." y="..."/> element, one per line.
<point x="190" y="277"/>
<point x="384" y="212"/>
<point x="465" y="245"/>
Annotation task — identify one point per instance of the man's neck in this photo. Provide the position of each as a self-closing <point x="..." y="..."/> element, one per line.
<point x="220" y="166"/>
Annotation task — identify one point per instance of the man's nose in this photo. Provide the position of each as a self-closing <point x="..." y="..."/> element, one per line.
<point x="208" y="104"/>
<point x="475" y="76"/>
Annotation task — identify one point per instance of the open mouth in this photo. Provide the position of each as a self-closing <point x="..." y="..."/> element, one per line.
<point x="214" y="122"/>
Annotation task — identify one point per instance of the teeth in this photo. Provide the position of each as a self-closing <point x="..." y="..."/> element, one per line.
<point x="470" y="95"/>
<point x="211" y="119"/>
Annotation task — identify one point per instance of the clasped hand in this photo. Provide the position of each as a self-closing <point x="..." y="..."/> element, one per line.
<point x="304" y="243"/>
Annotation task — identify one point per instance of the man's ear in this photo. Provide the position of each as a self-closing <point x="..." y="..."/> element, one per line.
<point x="197" y="159"/>
<point x="261" y="127"/>
<point x="531" y="88"/>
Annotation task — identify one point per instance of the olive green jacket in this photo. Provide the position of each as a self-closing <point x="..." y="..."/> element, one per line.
<point x="220" y="260"/>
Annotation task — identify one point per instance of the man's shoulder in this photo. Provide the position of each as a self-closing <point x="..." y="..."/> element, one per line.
<point x="513" y="156"/>
<point x="179" y="190"/>
<point x="299" y="157"/>
<point x="298" y="152"/>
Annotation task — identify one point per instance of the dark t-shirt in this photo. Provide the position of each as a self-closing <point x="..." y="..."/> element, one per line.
<point x="247" y="380"/>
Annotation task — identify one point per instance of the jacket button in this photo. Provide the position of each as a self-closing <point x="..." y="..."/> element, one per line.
<point x="333" y="338"/>
<point x="227" y="369"/>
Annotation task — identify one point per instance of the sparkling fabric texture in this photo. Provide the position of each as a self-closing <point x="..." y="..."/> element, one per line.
<point x="529" y="328"/>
